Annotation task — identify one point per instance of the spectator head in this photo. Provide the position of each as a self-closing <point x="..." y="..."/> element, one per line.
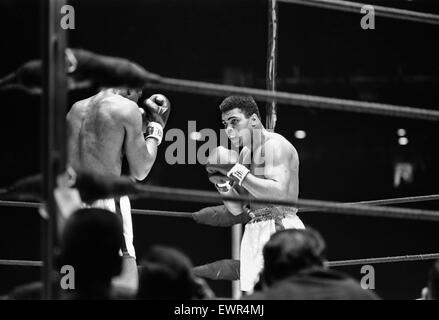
<point x="166" y="274"/>
<point x="433" y="282"/>
<point x="290" y="251"/>
<point x="90" y="243"/>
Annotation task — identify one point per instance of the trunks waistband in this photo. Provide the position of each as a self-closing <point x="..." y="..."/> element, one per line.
<point x="270" y="213"/>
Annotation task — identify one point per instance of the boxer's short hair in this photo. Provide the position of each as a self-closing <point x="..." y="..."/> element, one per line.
<point x="247" y="105"/>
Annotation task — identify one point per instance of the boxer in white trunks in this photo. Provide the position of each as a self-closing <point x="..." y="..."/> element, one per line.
<point x="267" y="166"/>
<point x="107" y="127"/>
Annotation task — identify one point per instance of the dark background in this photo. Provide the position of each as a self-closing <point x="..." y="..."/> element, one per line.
<point x="344" y="157"/>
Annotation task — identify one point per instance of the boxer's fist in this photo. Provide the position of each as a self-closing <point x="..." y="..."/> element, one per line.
<point x="223" y="165"/>
<point x="157" y="109"/>
<point x="219" y="162"/>
<point x="221" y="155"/>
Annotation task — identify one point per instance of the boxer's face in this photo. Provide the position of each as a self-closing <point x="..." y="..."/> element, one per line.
<point x="237" y="126"/>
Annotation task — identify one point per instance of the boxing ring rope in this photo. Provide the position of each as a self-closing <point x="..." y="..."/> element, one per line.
<point x="20" y="204"/>
<point x="201" y="196"/>
<point x="411" y="213"/>
<point x="381" y="11"/>
<point x="382" y="202"/>
<point x="406" y="258"/>
<point x="294" y="99"/>
<point x="21" y="263"/>
<point x="180" y="214"/>
<point x="163" y="213"/>
<point x="207" y="196"/>
<point x="331" y="264"/>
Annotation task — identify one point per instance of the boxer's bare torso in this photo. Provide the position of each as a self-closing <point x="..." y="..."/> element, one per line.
<point x="97" y="129"/>
<point x="104" y="129"/>
<point x="277" y="159"/>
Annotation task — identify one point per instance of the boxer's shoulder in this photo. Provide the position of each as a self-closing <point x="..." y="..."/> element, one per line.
<point x="105" y="105"/>
<point x="273" y="137"/>
<point x="275" y="140"/>
<point x="279" y="144"/>
<point x="115" y="101"/>
<point x="78" y="109"/>
<point x="117" y="107"/>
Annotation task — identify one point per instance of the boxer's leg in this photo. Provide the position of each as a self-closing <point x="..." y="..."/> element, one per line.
<point x="129" y="277"/>
<point x="255" y="236"/>
<point x="123" y="209"/>
<point x="292" y="222"/>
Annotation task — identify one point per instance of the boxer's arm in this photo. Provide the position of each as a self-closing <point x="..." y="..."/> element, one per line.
<point x="277" y="172"/>
<point x="223" y="157"/>
<point x="235" y="208"/>
<point x="140" y="153"/>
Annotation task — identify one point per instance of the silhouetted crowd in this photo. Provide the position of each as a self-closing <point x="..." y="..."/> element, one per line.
<point x="294" y="268"/>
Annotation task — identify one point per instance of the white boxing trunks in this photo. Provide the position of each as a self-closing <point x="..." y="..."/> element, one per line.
<point x="257" y="232"/>
<point x="122" y="207"/>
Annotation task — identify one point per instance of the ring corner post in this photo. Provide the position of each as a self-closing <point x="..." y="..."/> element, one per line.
<point x="53" y="135"/>
<point x="236" y="248"/>
<point x="271" y="106"/>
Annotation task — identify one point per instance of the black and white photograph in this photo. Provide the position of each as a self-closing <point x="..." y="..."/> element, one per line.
<point x="219" y="154"/>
